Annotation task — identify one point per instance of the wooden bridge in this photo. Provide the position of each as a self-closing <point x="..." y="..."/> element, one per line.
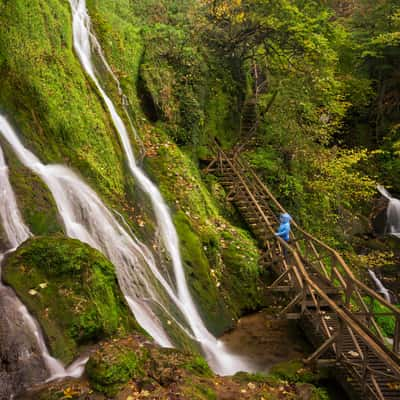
<point x="339" y="314"/>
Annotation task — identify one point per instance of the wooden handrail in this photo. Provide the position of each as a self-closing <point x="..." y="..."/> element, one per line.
<point x="392" y="360"/>
<point x="310" y="282"/>
<point x="338" y="257"/>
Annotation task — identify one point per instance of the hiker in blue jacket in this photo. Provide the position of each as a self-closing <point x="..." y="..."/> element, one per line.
<point x="284" y="232"/>
<point x="284" y="228"/>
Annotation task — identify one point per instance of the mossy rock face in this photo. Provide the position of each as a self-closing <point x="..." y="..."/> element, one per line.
<point x="135" y="368"/>
<point x="48" y="97"/>
<point x="71" y="289"/>
<point x="138" y="361"/>
<point x="223" y="273"/>
<point x="213" y="310"/>
<point x="295" y="371"/>
<point x="112" y="366"/>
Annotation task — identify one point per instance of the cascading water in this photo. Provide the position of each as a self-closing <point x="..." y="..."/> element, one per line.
<point x="23" y="345"/>
<point x="217" y="355"/>
<point x="379" y="286"/>
<point x="392" y="213"/>
<point x="147" y="292"/>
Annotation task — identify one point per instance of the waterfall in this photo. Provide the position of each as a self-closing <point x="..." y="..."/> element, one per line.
<point x="392" y="213"/>
<point x="217" y="355"/>
<point x="15" y="229"/>
<point x="25" y="343"/>
<point x="147" y="292"/>
<point x="379" y="286"/>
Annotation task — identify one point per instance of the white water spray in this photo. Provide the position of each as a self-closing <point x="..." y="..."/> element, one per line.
<point x="17" y="232"/>
<point x="392" y="213"/>
<point x="379" y="286"/>
<point x="216" y="353"/>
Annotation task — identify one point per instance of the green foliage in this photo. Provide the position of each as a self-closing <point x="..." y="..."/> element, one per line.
<point x="338" y="177"/>
<point x="375" y="54"/>
<point x="386" y="323"/>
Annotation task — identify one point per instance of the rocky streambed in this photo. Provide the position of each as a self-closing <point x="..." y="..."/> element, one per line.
<point x="134" y="368"/>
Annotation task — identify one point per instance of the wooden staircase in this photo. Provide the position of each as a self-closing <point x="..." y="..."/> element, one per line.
<point x="334" y="308"/>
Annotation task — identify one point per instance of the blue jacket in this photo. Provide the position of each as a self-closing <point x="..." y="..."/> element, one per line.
<point x="284" y="228"/>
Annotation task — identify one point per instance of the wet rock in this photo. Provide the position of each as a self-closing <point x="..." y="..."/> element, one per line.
<point x="21" y="364"/>
<point x="353" y="225"/>
<point x="379" y="216"/>
<point x="306" y="392"/>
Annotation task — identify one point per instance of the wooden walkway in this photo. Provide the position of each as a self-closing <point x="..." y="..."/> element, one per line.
<point x="338" y="313"/>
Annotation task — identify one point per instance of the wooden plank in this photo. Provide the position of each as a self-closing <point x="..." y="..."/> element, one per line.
<point x="294" y="316"/>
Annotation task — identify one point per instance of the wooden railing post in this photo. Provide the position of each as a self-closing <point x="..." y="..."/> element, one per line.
<point x="364" y="371"/>
<point x="349" y="292"/>
<point x="396" y="337"/>
<point x="339" y="340"/>
<point x="304" y="300"/>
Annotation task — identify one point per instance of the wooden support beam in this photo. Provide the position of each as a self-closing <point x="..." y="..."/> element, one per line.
<point x="281" y="278"/>
<point x="321" y="349"/>
<point x="378" y="391"/>
<point x="208" y="168"/>
<point x="280" y="289"/>
<point x="295" y="301"/>
<point x="326" y="362"/>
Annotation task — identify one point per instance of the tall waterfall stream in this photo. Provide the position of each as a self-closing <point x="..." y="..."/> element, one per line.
<point x="217" y="355"/>
<point x="152" y="297"/>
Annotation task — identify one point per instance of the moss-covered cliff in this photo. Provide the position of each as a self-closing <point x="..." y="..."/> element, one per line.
<point x="174" y="93"/>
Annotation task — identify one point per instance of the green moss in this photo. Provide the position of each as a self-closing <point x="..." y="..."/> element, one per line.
<point x="244" y="377"/>
<point x="61" y="117"/>
<point x="109" y="370"/>
<point x="198" y="366"/>
<point x="75" y="294"/>
<point x="221" y="261"/>
<point x="152" y="47"/>
<point x="294" y="371"/>
<point x="198" y="272"/>
<point x="205" y="392"/>
<point x="49" y="98"/>
<point x="35" y="201"/>
<point x="387" y="323"/>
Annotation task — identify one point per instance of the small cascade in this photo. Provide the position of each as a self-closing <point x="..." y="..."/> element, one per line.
<point x="218" y="356"/>
<point x="23" y="348"/>
<point x="392" y="213"/>
<point x="379" y="286"/>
